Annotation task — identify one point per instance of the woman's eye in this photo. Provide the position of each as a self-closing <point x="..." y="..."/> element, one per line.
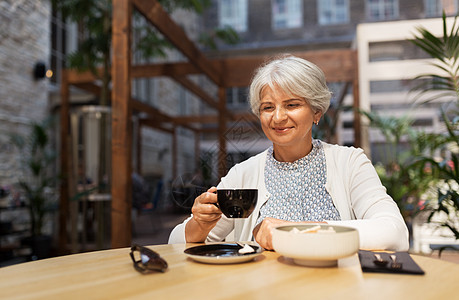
<point x="292" y="105"/>
<point x="266" y="108"/>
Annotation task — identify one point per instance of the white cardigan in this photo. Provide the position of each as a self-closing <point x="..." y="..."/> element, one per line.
<point x="352" y="183"/>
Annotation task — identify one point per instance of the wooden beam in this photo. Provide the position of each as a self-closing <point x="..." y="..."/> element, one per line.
<point x="64" y="160"/>
<point x="222" y="167"/>
<point x="154" y="12"/>
<point x="75" y="76"/>
<point x="201" y="119"/>
<point x="174" y="153"/>
<point x="121" y="185"/>
<point x="135" y="104"/>
<point x="140" y="71"/>
<point x="248" y="117"/>
<point x="195" y="89"/>
<point x="155" y="124"/>
<point x="138" y="145"/>
<point x="153" y="112"/>
<point x="142" y="107"/>
<point x="164" y="69"/>
<point x="243" y="128"/>
<point x="89" y="87"/>
<point x="197" y="150"/>
<point x="338" y="65"/>
<point x="212" y="119"/>
<point x="209" y="130"/>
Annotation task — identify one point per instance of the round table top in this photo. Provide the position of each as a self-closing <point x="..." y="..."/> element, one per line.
<point x="109" y="274"/>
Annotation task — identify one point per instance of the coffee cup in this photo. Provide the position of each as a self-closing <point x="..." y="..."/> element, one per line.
<point x="237" y="203"/>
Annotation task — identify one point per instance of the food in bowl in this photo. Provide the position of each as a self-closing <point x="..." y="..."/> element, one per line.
<point x="314" y="229"/>
<point x="315" y="245"/>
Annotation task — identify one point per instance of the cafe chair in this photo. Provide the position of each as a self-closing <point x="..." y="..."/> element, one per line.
<point x="149" y="209"/>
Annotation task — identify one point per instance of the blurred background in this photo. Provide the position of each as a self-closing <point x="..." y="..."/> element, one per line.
<point x="390" y="64"/>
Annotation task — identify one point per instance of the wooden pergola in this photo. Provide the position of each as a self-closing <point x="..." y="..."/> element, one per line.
<point x="338" y="66"/>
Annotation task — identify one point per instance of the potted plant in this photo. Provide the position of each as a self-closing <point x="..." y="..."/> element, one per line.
<point x="418" y="180"/>
<point x="445" y="170"/>
<point x="37" y="182"/>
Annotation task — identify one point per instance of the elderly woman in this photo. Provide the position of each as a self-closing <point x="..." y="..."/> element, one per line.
<point x="299" y="179"/>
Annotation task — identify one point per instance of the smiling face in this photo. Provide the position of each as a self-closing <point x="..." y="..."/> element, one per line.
<point x="287" y="121"/>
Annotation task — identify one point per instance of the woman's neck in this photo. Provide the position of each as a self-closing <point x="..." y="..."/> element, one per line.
<point x="291" y="153"/>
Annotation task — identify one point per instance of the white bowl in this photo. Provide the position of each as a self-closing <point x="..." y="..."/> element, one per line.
<point x="320" y="249"/>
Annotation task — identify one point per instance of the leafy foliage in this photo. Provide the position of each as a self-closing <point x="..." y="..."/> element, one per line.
<point x="404" y="178"/>
<point x="445" y="51"/>
<point x="445" y="171"/>
<point x="36" y="159"/>
<point x="151" y="43"/>
<point x="227" y="34"/>
<point x="94" y="43"/>
<point x="410" y="174"/>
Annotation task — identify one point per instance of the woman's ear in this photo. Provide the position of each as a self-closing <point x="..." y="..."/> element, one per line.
<point x="317" y="116"/>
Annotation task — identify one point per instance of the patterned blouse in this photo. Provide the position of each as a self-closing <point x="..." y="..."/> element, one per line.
<point x="298" y="188"/>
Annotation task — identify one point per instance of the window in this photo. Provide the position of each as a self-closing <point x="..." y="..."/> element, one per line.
<point x="333" y="11"/>
<point x="434" y="8"/>
<point x="236" y="97"/>
<point x="379" y="10"/>
<point x="392" y="86"/>
<point x="287" y="14"/>
<point x="233" y="13"/>
<point x="394" y="50"/>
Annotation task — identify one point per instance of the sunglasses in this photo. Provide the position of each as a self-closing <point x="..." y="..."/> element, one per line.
<point x="146" y="260"/>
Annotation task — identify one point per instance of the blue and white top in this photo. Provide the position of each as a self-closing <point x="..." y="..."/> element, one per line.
<point x="297" y="189"/>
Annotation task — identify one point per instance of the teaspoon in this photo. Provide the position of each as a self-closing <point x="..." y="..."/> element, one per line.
<point x="379" y="261"/>
<point x="395" y="264"/>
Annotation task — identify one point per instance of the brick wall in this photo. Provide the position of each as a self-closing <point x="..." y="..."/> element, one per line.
<point x="24" y="40"/>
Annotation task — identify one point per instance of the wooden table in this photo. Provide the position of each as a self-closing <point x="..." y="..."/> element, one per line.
<point x="109" y="274"/>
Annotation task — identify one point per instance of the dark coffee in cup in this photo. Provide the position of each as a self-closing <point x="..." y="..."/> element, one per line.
<point x="237" y="203"/>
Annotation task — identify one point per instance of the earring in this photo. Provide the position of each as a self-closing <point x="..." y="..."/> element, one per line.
<point x="316" y="122"/>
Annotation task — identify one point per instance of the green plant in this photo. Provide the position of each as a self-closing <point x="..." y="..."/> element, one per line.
<point x="445" y="174"/>
<point x="401" y="174"/>
<point x="445" y="51"/>
<point x="445" y="170"/>
<point x="37" y="180"/>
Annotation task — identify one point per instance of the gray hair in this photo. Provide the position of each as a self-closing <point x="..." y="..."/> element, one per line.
<point x="295" y="76"/>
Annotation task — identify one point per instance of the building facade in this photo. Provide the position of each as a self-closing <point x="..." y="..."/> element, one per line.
<point x="284" y="26"/>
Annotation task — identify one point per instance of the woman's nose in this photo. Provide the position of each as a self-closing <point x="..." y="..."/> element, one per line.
<point x="280" y="114"/>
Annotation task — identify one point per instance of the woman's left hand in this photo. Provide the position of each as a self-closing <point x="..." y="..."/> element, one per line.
<point x="263" y="231"/>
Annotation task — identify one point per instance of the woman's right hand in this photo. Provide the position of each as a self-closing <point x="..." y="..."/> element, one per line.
<point x="205" y="210"/>
<point x="205" y="216"/>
